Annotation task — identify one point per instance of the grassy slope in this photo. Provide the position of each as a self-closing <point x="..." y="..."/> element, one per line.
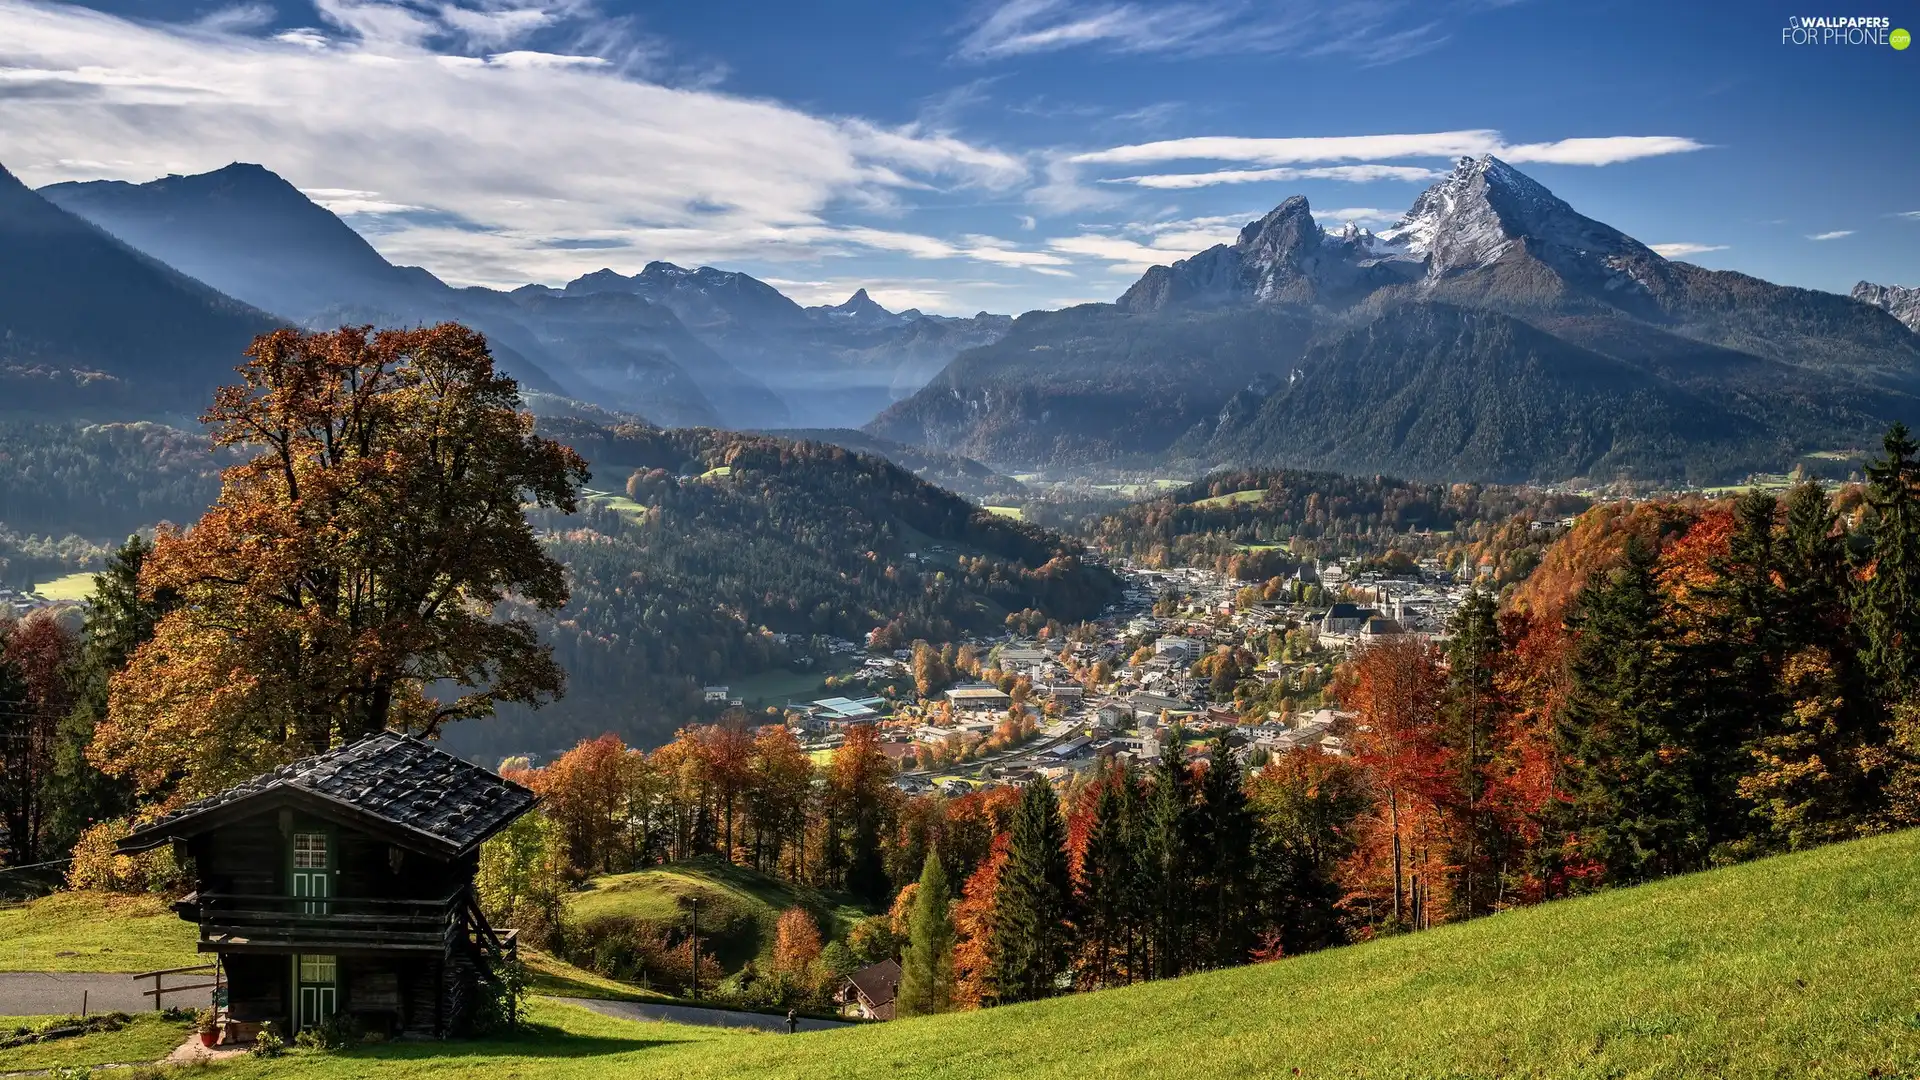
<point x="1250" y="495"/>
<point x="1801" y="966"/>
<point x="738" y="907"/>
<point x="84" y="931"/>
<point x="148" y="1037"/>
<point x="71" y="587"/>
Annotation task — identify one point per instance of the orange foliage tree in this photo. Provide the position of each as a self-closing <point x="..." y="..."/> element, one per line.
<point x="353" y="561"/>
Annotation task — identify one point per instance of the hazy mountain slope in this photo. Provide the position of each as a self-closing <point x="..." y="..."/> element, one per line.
<point x="1094" y="383"/>
<point x="249" y="233"/>
<point x="87" y="322"/>
<point x="831" y="365"/>
<point x="1432" y="391"/>
<point x="958" y="474"/>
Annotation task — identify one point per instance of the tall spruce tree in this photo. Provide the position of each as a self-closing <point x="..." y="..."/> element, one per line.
<point x="1471" y="715"/>
<point x="926" y="967"/>
<point x="1886" y="603"/>
<point x="1167" y="861"/>
<point x="1728" y="664"/>
<point x="1629" y="799"/>
<point x="1106" y="872"/>
<point x="1032" y="917"/>
<point x="1228" y="827"/>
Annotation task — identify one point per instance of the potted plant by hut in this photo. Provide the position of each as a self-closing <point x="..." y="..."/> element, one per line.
<point x="207" y="1020"/>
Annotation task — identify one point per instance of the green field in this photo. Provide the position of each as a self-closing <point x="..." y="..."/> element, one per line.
<point x="777" y="686"/>
<point x="72" y="587"/>
<point x="1250" y="496"/>
<point x="85" y="931"/>
<point x="1013" y="512"/>
<point x="1800" y="966"/>
<point x="738" y="907"/>
<point x="616" y="502"/>
<point x="145" y="1037"/>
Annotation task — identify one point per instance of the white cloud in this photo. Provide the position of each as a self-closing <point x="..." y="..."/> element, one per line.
<point x="1371" y="32"/>
<point x="1440" y="144"/>
<point x="477" y="163"/>
<point x="1834" y="235"/>
<point x="1358" y="174"/>
<point x="1912" y="215"/>
<point x="1359" y="215"/>
<point x="354" y="201"/>
<point x="1682" y="250"/>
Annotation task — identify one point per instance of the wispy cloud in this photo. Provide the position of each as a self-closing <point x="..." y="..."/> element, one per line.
<point x="1682" y="250"/>
<point x="1368" y="32"/>
<point x="432" y="118"/>
<point x="1910" y="215"/>
<point x="1440" y="144"/>
<point x="1359" y="174"/>
<point x="1834" y="235"/>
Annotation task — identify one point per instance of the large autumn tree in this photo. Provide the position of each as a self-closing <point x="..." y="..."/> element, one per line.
<point x="346" y="579"/>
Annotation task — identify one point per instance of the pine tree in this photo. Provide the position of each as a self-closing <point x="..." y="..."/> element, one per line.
<point x="1228" y="826"/>
<point x="1816" y="766"/>
<point x="1106" y="869"/>
<point x="1166" y="862"/>
<point x="1728" y="666"/>
<point x="1629" y="797"/>
<point x="926" y="967"/>
<point x="1471" y="715"/>
<point x="1887" y="600"/>
<point x="1031" y="907"/>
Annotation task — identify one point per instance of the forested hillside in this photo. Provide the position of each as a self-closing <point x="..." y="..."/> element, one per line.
<point x="720" y="544"/>
<point x="1257" y="522"/>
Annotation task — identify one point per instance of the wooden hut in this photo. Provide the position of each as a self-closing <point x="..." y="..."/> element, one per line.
<point x="342" y="885"/>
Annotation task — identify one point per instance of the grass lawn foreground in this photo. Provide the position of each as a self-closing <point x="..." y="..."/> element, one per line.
<point x="85" y="931"/>
<point x="146" y="1037"/>
<point x="1799" y="966"/>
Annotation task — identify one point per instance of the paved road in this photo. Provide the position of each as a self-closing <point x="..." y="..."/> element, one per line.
<point x="690" y="1014"/>
<point x="44" y="993"/>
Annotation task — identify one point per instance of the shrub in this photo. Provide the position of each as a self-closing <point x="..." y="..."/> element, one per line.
<point x="268" y="1043"/>
<point x="96" y="865"/>
<point x="333" y="1033"/>
<point x="502" y="1002"/>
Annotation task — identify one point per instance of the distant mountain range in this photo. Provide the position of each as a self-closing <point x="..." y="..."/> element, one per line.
<point x="681" y="347"/>
<point x="1493" y="333"/>
<point x="90" y="324"/>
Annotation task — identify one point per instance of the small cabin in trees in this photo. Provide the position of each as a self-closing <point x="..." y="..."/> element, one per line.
<point x="343" y="885"/>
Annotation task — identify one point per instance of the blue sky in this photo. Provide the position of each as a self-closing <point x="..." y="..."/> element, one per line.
<point x="1006" y="154"/>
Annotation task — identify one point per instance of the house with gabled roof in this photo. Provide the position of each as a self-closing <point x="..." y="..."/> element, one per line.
<point x="343" y="885"/>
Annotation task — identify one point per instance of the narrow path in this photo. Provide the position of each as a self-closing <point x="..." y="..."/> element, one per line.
<point x="52" y="993"/>
<point x="693" y="1014"/>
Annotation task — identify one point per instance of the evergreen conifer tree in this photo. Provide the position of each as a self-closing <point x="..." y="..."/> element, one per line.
<point x="1630" y="803"/>
<point x="1105" y="871"/>
<point x="1031" y="906"/>
<point x="1228" y="827"/>
<point x="926" y="967"/>
<point x="1471" y="716"/>
<point x="1887" y="600"/>
<point x="1166" y="861"/>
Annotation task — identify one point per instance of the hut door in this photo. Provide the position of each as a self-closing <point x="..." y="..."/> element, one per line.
<point x="318" y="987"/>
<point x="312" y="874"/>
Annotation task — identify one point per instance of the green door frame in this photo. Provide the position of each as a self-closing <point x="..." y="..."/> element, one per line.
<point x="313" y="1000"/>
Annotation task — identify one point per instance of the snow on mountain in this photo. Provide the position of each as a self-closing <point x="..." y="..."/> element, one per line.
<point x="1900" y="301"/>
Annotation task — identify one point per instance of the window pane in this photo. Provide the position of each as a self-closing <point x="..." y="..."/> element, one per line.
<point x="309" y="851"/>
<point x="316" y="969"/>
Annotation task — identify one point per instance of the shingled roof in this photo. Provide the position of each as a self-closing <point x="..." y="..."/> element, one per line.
<point x="425" y="798"/>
